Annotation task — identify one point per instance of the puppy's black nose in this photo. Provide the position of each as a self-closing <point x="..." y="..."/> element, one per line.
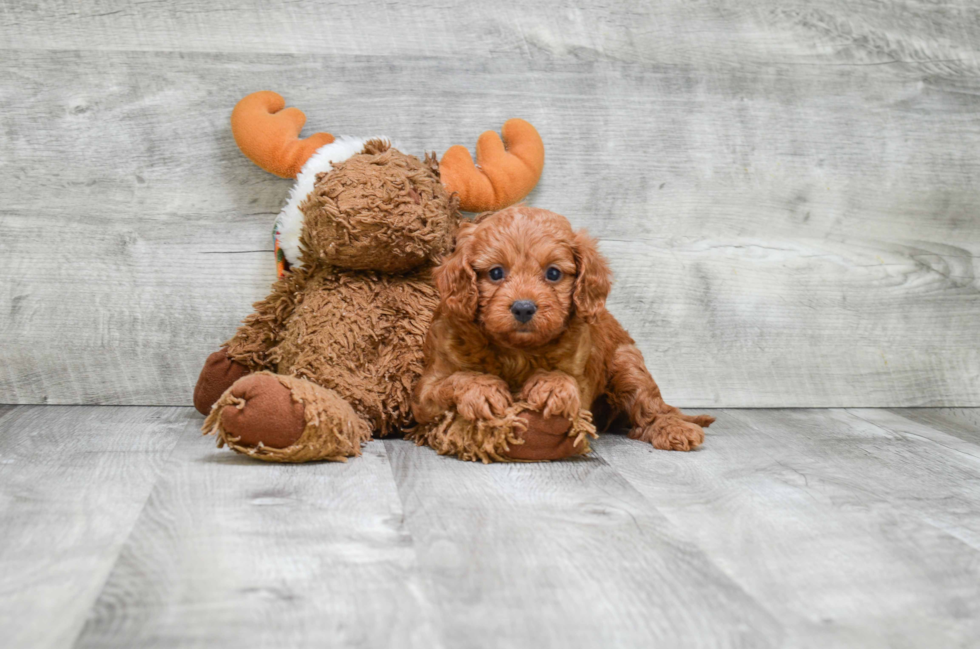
<point x="523" y="310"/>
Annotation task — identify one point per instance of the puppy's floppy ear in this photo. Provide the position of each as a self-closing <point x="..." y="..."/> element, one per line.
<point x="593" y="277"/>
<point x="456" y="279"/>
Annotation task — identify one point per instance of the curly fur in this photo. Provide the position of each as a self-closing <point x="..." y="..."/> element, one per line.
<point x="572" y="353"/>
<point x="491" y="440"/>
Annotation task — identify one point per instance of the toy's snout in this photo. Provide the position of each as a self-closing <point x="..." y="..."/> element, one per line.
<point x="383" y="211"/>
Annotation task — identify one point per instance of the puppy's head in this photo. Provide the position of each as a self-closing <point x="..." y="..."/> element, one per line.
<point x="522" y="274"/>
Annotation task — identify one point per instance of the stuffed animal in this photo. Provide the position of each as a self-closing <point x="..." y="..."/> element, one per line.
<point x="329" y="359"/>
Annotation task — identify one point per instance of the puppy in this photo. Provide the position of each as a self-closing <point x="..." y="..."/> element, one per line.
<point x="522" y="315"/>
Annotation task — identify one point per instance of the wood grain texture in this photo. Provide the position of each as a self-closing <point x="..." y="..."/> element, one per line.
<point x="787" y="191"/>
<point x="230" y="552"/>
<point x="123" y="527"/>
<point x="963" y="423"/>
<point x="563" y="554"/>
<point x="72" y="483"/>
<point x="856" y="528"/>
<point x="941" y="34"/>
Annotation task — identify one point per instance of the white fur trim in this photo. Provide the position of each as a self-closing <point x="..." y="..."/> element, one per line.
<point x="289" y="225"/>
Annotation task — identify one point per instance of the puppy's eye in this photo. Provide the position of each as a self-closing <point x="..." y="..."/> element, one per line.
<point x="553" y="274"/>
<point x="496" y="273"/>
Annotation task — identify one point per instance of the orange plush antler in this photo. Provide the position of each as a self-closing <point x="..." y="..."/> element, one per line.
<point x="505" y="172"/>
<point x="269" y="135"/>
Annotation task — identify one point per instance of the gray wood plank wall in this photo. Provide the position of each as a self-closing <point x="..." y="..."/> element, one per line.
<point x="787" y="190"/>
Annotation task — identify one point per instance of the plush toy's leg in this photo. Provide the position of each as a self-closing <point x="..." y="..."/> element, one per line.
<point x="286" y="419"/>
<point x="547" y="438"/>
<point x="217" y="375"/>
<point x="521" y="435"/>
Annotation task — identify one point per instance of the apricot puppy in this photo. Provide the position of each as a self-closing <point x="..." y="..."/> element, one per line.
<point x="522" y="316"/>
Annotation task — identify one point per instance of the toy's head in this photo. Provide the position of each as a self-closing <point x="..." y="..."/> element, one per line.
<point x="358" y="203"/>
<point x="378" y="210"/>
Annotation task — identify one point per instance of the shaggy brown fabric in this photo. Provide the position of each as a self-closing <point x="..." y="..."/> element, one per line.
<point x="332" y="429"/>
<point x="217" y="375"/>
<point x="361" y="334"/>
<point x="352" y="319"/>
<point x="385" y="212"/>
<point x="546" y="438"/>
<point x="498" y="439"/>
<point x="255" y="344"/>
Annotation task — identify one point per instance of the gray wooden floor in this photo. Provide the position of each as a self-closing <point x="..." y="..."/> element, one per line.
<point x="123" y="527"/>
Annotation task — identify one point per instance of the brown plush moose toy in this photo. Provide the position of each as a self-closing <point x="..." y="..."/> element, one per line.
<point x="331" y="356"/>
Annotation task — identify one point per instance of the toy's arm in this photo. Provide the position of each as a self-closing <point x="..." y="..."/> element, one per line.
<point x="261" y="332"/>
<point x="252" y="347"/>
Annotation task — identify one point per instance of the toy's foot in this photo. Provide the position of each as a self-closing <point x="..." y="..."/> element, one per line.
<point x="521" y="435"/>
<point x="286" y="419"/>
<point x="670" y="433"/>
<point x="546" y="438"/>
<point x="217" y="375"/>
<point x="265" y="413"/>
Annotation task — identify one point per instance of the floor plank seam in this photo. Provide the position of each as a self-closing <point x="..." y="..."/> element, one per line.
<point x="428" y="588"/>
<point x="125" y="541"/>
<point x="680" y="534"/>
<point x="919" y="437"/>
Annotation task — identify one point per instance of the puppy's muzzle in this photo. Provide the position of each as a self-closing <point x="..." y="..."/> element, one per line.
<point x="523" y="310"/>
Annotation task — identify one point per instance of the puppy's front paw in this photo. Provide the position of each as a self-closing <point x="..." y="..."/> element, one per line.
<point x="552" y="394"/>
<point x="670" y="434"/>
<point x="483" y="397"/>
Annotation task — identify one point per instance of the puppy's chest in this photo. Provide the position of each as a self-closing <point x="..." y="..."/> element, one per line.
<point x="516" y="368"/>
